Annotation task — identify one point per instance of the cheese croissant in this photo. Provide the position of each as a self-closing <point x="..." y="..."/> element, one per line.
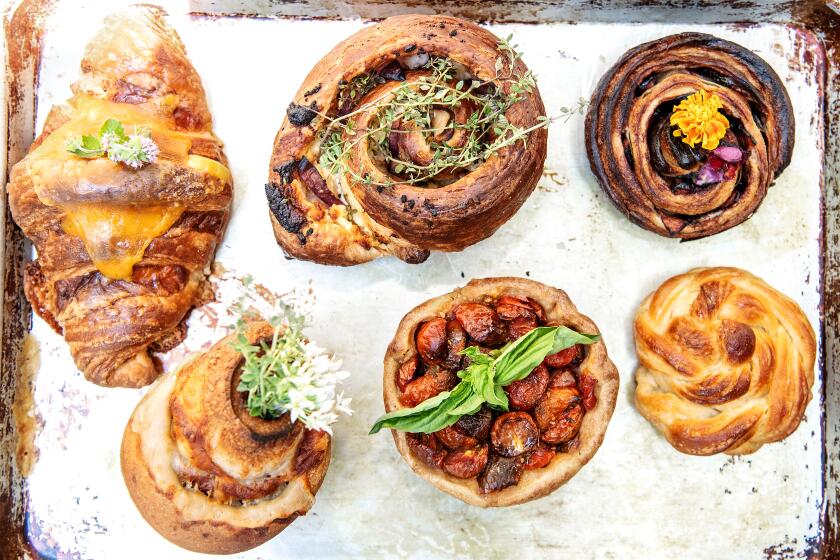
<point x="726" y="362"/>
<point x="121" y="251"/>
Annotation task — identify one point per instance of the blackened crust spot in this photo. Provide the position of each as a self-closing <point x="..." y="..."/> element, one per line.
<point x="312" y="91"/>
<point x="410" y="48"/>
<point x="286" y="213"/>
<point x="285" y="170"/>
<point x="300" y="115"/>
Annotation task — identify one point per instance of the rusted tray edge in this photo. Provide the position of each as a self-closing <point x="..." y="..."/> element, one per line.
<point x="22" y="25"/>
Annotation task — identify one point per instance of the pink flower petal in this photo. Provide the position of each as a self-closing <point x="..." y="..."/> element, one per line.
<point x="708" y="175"/>
<point x="729" y="154"/>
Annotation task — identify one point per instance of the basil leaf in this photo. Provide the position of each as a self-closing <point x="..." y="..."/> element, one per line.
<point x="520" y="358"/>
<point x="85" y="147"/>
<point x="429" y="416"/>
<point x="476" y="356"/>
<point x="113" y="127"/>
<point x="469" y="406"/>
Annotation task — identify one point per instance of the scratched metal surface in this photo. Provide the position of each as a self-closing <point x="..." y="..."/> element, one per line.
<point x="638" y="498"/>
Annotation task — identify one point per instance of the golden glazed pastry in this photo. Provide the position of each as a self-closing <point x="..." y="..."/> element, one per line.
<point x="354" y="178"/>
<point x="121" y="252"/>
<point x="206" y="474"/>
<point x="726" y="362"/>
<point x="558" y="413"/>
<point x="657" y="180"/>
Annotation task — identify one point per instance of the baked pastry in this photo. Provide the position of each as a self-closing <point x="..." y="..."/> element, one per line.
<point x="122" y="241"/>
<point x="415" y="134"/>
<point x="558" y="408"/>
<point x="726" y="362"/>
<point x="204" y="472"/>
<point x="686" y="134"/>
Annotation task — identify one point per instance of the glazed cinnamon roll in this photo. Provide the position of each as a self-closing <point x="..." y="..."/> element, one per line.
<point x="555" y="413"/>
<point x="419" y="133"/>
<point x="687" y="133"/>
<point x="726" y="362"/>
<point x="125" y="196"/>
<point x="208" y="475"/>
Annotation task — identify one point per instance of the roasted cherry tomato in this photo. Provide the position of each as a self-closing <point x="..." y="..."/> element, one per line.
<point x="520" y="327"/>
<point x="512" y="308"/>
<point x="427" y="386"/>
<point x="562" y="378"/>
<point x="407" y="372"/>
<point x="525" y="393"/>
<point x="456" y="341"/>
<point x="587" y="386"/>
<point x="500" y="473"/>
<point x="538" y="309"/>
<point x="426" y="448"/>
<point x="514" y="433"/>
<point x="431" y="340"/>
<point x="539" y="457"/>
<point x="482" y="323"/>
<point x="559" y="414"/>
<point x="453" y="438"/>
<point x="476" y="425"/>
<point x="466" y="463"/>
<point x="564" y="357"/>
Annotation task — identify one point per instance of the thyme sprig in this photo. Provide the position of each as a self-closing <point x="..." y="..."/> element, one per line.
<point x="410" y="108"/>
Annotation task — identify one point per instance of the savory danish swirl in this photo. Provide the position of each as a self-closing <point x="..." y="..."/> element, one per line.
<point x="726" y="362"/>
<point x="669" y="182"/>
<point x="206" y="474"/>
<point x="122" y="248"/>
<point x="419" y="133"/>
<point x="558" y="413"/>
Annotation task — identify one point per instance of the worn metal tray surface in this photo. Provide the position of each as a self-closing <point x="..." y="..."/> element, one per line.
<point x="638" y="498"/>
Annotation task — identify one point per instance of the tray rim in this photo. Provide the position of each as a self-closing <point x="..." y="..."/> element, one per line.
<point x="821" y="18"/>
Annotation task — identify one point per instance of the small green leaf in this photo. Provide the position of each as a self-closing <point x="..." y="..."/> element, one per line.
<point x="114" y="128"/>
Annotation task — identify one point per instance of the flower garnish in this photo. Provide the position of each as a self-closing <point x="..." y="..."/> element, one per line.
<point x="483" y="380"/>
<point x="290" y="374"/>
<point x="698" y="119"/>
<point x="134" y="150"/>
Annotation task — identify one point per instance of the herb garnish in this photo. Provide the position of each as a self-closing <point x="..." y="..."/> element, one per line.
<point x="290" y="374"/>
<point x="134" y="150"/>
<point x="413" y="105"/>
<point x="483" y="380"/>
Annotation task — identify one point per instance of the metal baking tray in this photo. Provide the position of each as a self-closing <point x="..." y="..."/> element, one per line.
<point x="638" y="498"/>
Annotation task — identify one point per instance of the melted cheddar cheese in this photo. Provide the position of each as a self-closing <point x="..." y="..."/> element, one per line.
<point x="116" y="237"/>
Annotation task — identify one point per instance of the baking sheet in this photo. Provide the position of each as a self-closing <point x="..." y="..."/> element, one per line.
<point x="638" y="498"/>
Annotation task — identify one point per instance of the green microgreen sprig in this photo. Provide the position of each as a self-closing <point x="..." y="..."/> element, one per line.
<point x="483" y="380"/>
<point x="134" y="150"/>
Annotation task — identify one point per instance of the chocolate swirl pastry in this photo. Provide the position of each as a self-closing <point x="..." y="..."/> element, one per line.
<point x="726" y="362"/>
<point x="122" y="249"/>
<point x="206" y="474"/>
<point x="558" y="413"/>
<point x="659" y="181"/>
<point x="407" y="137"/>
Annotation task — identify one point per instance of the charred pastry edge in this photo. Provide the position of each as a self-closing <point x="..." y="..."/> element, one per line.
<point x="330" y="246"/>
<point x="156" y="501"/>
<point x="597" y="132"/>
<point x="597" y="364"/>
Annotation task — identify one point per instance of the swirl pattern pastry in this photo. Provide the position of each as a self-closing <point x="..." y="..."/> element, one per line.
<point x="726" y="362"/>
<point x="375" y="186"/>
<point x="206" y="474"/>
<point x="121" y="252"/>
<point x="654" y="177"/>
<point x="559" y="413"/>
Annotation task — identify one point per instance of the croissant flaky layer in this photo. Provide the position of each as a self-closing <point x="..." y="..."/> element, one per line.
<point x="203" y="472"/>
<point x="654" y="177"/>
<point x="121" y="252"/>
<point x="366" y="206"/>
<point x="726" y="362"/>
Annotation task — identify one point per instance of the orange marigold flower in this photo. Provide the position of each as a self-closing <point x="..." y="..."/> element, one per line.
<point x="698" y="119"/>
